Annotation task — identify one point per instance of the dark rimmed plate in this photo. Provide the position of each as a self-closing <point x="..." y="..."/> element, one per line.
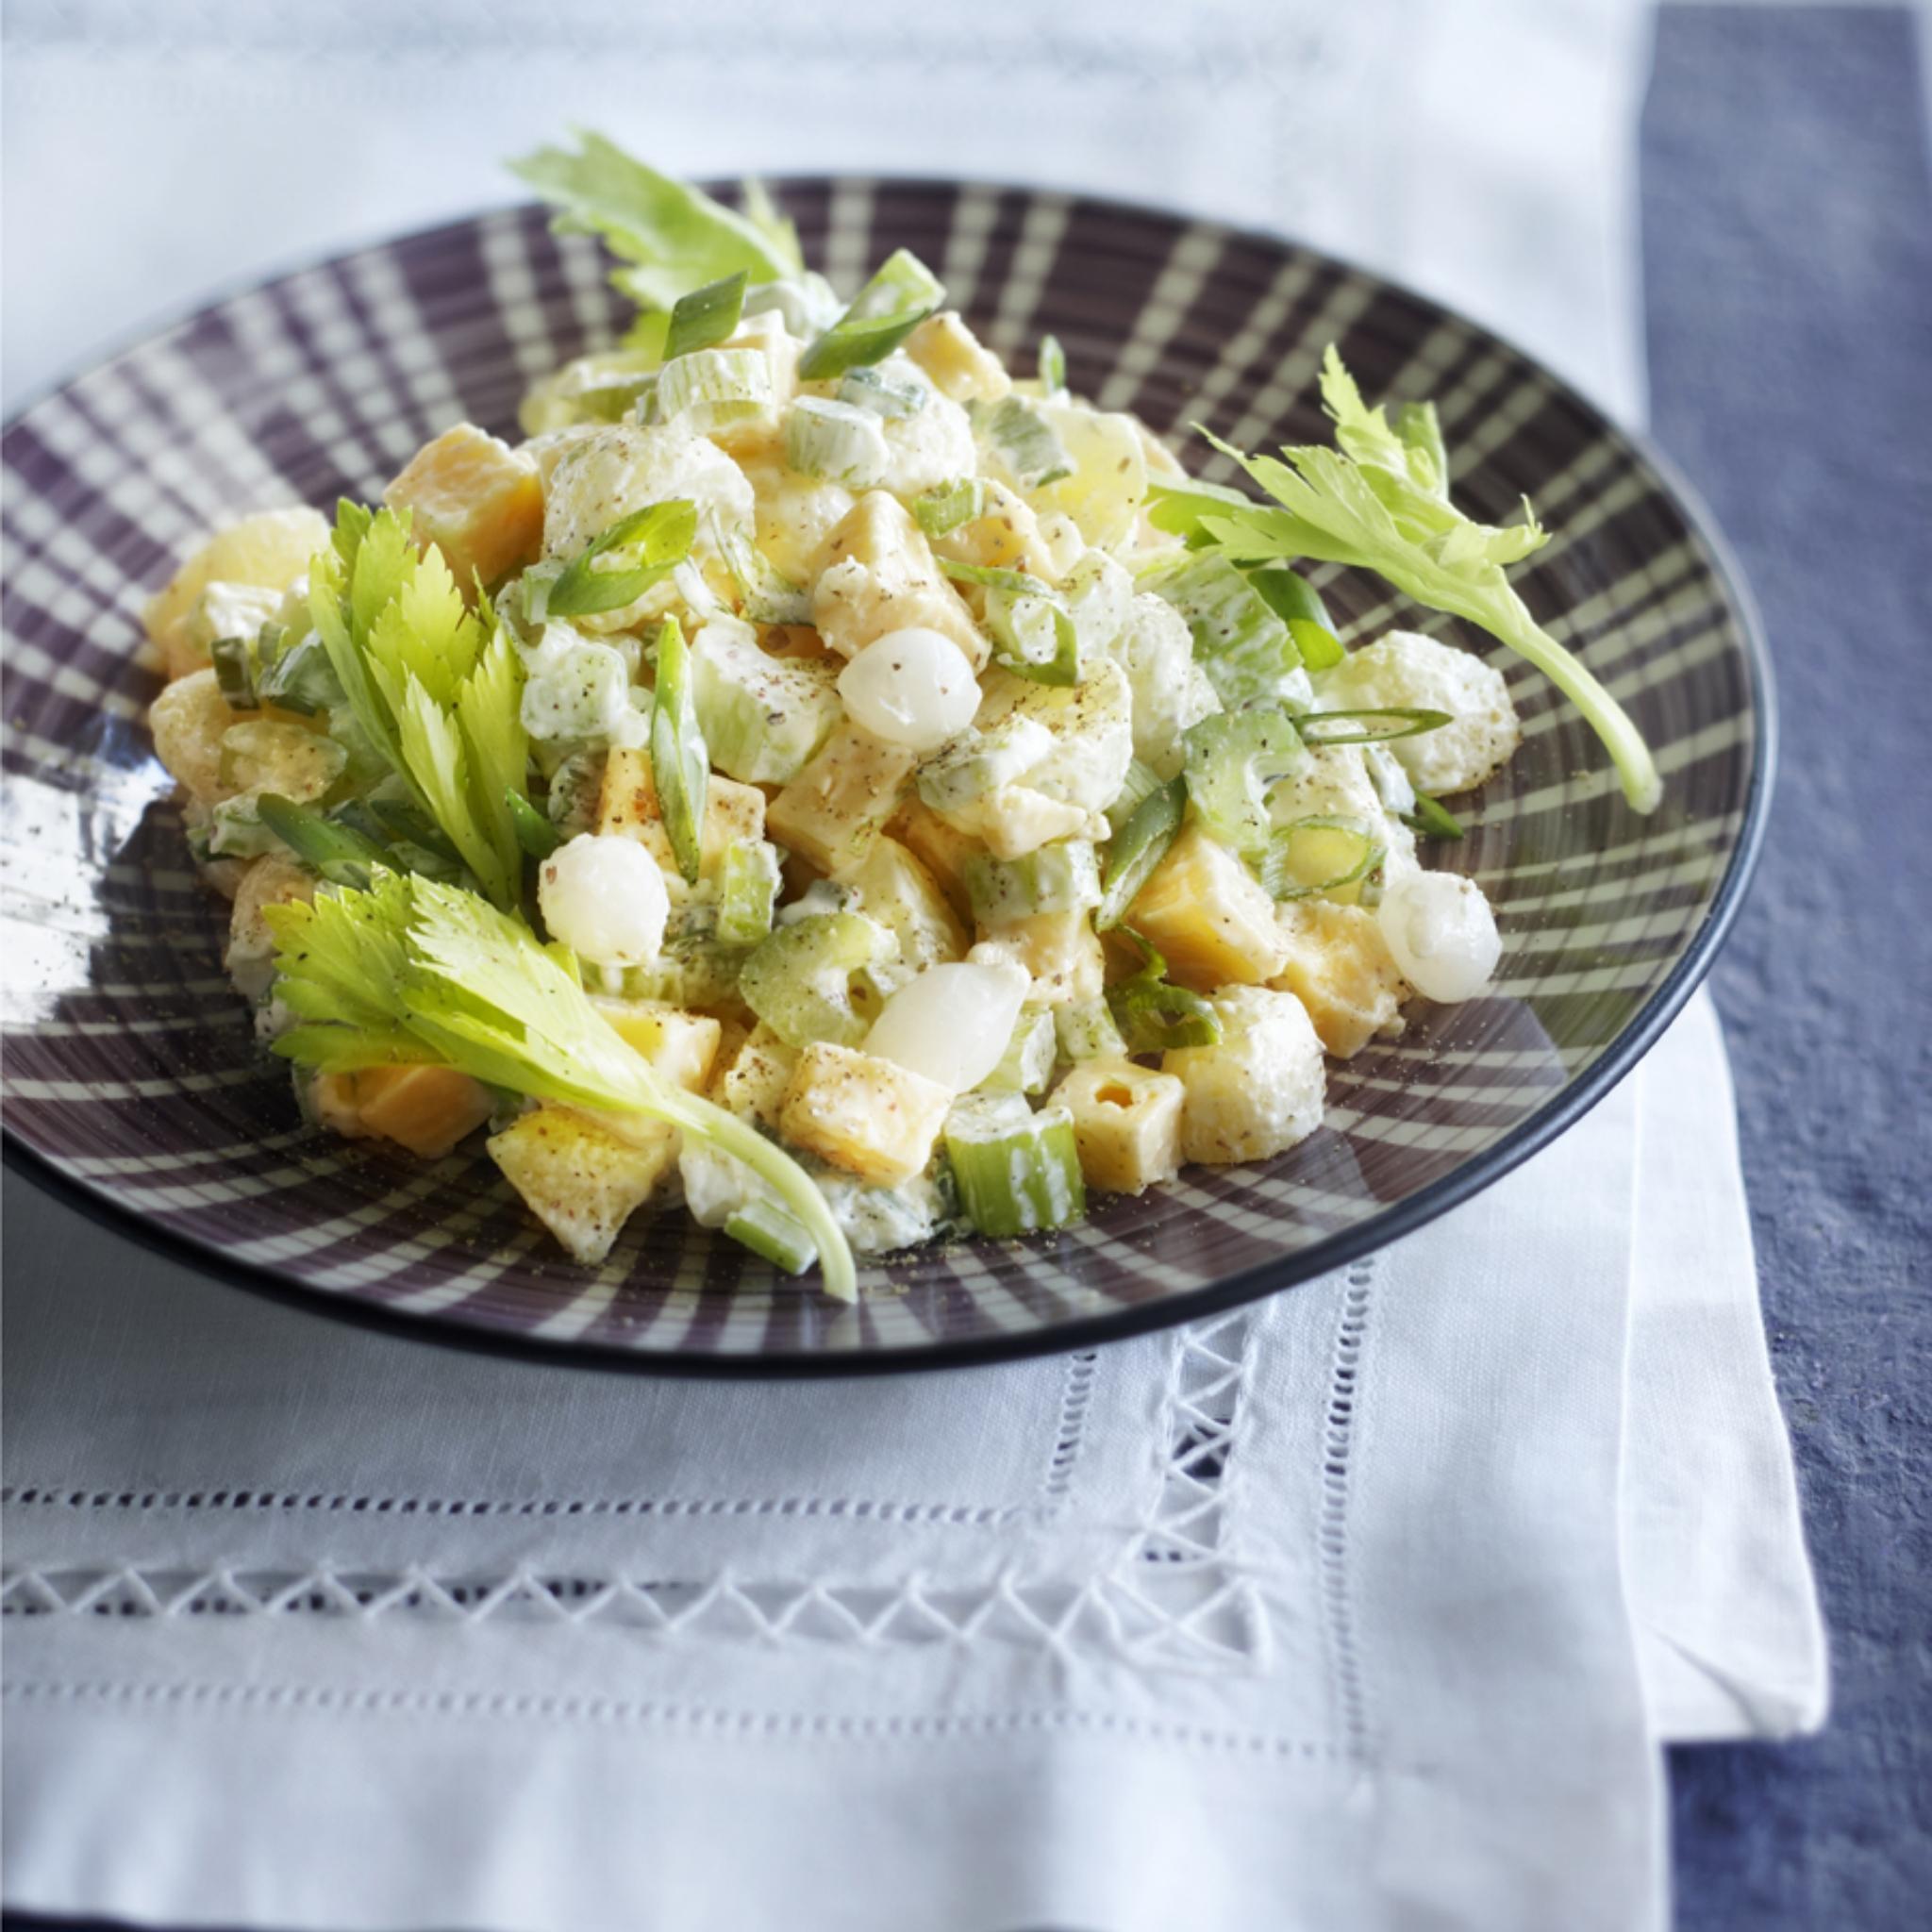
<point x="132" y="1081"/>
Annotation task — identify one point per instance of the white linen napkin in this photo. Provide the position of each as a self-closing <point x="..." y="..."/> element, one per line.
<point x="1363" y="1607"/>
<point x="1366" y="1606"/>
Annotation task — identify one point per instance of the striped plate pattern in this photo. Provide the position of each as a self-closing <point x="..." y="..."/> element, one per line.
<point x="133" y="1083"/>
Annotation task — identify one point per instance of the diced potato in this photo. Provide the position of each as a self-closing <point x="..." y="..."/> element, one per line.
<point x="1408" y="669"/>
<point x="627" y="804"/>
<point x="961" y="365"/>
<point x="1089" y="726"/>
<point x="188" y="721"/>
<point x="1060" y="950"/>
<point x="833" y="810"/>
<point x="269" y="551"/>
<point x="1109" y="480"/>
<point x="681" y="1046"/>
<point x="1126" y="1123"/>
<point x="271" y="880"/>
<point x="425" y="1109"/>
<point x="895" y="888"/>
<point x="581" y="1180"/>
<point x="864" y="1114"/>
<point x="753" y="1082"/>
<point x="879" y="575"/>
<point x="477" y="500"/>
<point x="1208" y="916"/>
<point x="796" y="515"/>
<point x="1339" y="967"/>
<point x="941" y="848"/>
<point x="1260" y="1088"/>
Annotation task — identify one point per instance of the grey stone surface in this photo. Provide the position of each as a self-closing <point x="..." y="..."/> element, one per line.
<point x="1788" y="256"/>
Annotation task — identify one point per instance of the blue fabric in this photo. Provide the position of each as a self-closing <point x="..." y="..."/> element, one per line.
<point x="1788" y="255"/>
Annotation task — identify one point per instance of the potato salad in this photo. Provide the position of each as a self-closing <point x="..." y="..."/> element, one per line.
<point x="819" y="778"/>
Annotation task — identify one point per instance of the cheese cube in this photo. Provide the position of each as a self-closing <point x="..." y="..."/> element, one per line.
<point x="959" y="364"/>
<point x="874" y="1119"/>
<point x="1339" y="967"/>
<point x="1060" y="950"/>
<point x="1208" y="916"/>
<point x="903" y="895"/>
<point x="1126" y="1123"/>
<point x="1260" y="1088"/>
<point x="580" y="1179"/>
<point x="477" y="500"/>
<point x="753" y="1081"/>
<point x="682" y="1046"/>
<point x="833" y="810"/>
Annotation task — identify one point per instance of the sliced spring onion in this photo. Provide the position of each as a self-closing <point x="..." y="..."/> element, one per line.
<point x="621" y="564"/>
<point x="1240" y="640"/>
<point x="1061" y="878"/>
<point x="712" y="389"/>
<point x="1313" y="725"/>
<point x="341" y="855"/>
<point x="1294" y="600"/>
<point x="765" y="595"/>
<point x="704" y="316"/>
<point x="768" y="1230"/>
<point x="837" y="443"/>
<point x="679" y="764"/>
<point x="1433" y="818"/>
<point x="535" y="833"/>
<point x="1017" y="1170"/>
<point x="943" y="511"/>
<point x="1020" y="436"/>
<point x="235" y="672"/>
<point x="301" y="678"/>
<point x="867" y="389"/>
<point x="899" y="298"/>
<point x="747" y="893"/>
<point x="1231" y="759"/>
<point x="1153" y="1014"/>
<point x="1052" y="367"/>
<point x="1086" y="1031"/>
<point x="1138" y="847"/>
<point x="1321" y="853"/>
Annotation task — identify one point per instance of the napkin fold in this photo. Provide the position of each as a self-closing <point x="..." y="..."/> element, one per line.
<point x="1382" y="1589"/>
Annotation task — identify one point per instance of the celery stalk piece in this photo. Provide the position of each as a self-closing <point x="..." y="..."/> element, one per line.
<point x="679" y="764"/>
<point x="868" y="389"/>
<point x="1231" y="760"/>
<point x="747" y="894"/>
<point x="1021" y="440"/>
<point x="1027" y="1065"/>
<point x="768" y="1231"/>
<point x="1240" y="641"/>
<point x="967" y="768"/>
<point x="762" y="717"/>
<point x="1061" y="878"/>
<point x="801" y="981"/>
<point x="712" y="389"/>
<point x="1017" y="1170"/>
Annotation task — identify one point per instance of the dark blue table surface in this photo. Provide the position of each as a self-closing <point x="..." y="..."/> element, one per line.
<point x="1787" y="212"/>
<point x="1787" y="208"/>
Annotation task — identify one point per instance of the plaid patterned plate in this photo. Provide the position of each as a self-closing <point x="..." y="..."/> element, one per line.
<point x="132" y="1079"/>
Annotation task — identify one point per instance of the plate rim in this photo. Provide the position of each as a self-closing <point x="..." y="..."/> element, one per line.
<point x="442" y="1328"/>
